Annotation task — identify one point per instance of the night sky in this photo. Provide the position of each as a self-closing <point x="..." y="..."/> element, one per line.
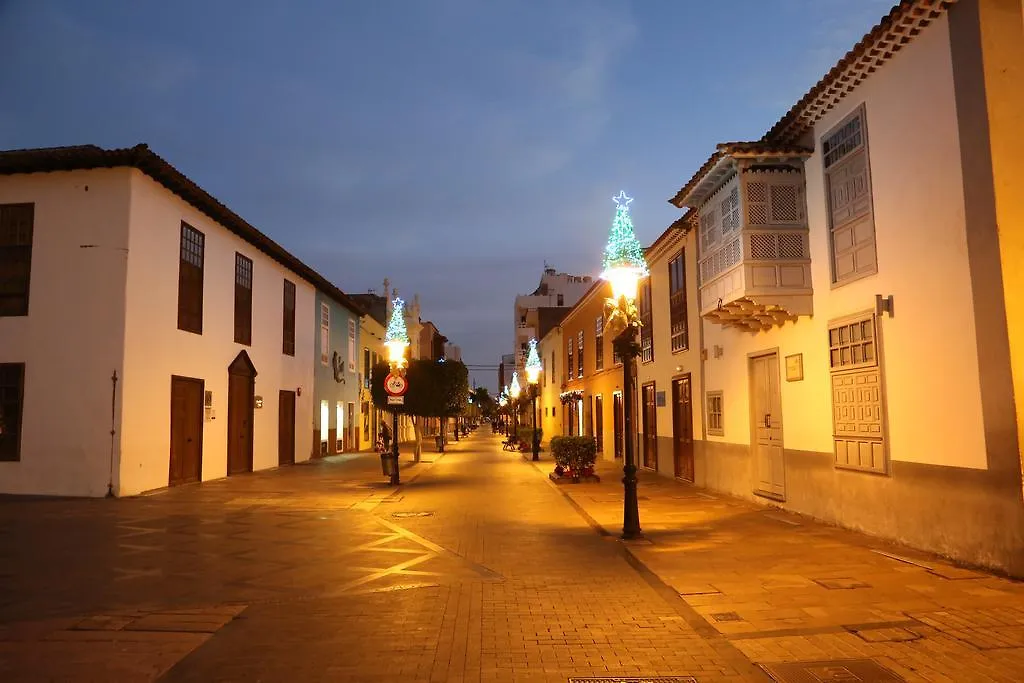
<point x="452" y="146"/>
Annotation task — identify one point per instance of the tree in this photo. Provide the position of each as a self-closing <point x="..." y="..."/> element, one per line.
<point x="436" y="389"/>
<point x="484" y="402"/>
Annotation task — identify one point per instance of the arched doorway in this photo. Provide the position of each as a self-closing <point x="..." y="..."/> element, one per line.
<point x="241" y="403"/>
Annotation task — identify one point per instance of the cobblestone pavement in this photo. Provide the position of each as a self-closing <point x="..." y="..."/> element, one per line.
<point x="476" y="569"/>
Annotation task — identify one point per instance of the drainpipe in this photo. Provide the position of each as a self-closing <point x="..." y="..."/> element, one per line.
<point x="113" y="431"/>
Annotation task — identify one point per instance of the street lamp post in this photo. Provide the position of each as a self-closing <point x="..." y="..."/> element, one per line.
<point x="533" y="368"/>
<point x="396" y="339"/>
<point x="513" y="391"/>
<point x="624" y="265"/>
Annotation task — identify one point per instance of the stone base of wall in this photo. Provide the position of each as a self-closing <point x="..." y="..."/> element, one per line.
<point x="972" y="516"/>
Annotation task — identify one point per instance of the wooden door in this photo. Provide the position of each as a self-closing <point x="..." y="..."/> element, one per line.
<point x="286" y="428"/>
<point x="241" y="402"/>
<point x="766" y="414"/>
<point x="682" y="428"/>
<point x="186" y="461"/>
<point x="617" y="421"/>
<point x="650" y="426"/>
<point x="599" y="422"/>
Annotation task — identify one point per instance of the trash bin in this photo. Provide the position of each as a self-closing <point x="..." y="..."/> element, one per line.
<point x="385" y="463"/>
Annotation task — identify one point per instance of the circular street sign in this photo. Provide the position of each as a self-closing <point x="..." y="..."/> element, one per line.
<point x="395" y="385"/>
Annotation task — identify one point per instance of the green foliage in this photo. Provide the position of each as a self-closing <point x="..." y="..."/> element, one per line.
<point x="574" y="453"/>
<point x="435" y="389"/>
<point x="484" y="402"/>
<point x="525" y="434"/>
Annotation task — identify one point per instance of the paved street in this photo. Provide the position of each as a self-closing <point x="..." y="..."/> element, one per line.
<point x="476" y="569"/>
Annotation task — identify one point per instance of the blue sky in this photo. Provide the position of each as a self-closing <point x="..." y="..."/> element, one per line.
<point x="450" y="145"/>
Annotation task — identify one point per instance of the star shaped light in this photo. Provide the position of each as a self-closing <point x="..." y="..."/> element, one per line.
<point x="622" y="200"/>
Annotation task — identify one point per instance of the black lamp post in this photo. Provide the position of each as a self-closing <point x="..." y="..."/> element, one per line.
<point x="624" y="265"/>
<point x="396" y="340"/>
<point x="533" y="368"/>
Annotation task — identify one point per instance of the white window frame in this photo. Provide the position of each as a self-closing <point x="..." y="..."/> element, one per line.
<point x="351" y="346"/>
<point x="710" y="398"/>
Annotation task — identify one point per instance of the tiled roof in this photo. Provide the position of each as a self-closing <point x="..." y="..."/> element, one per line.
<point x="84" y="157"/>
<point x="896" y="29"/>
<point x="737" y="150"/>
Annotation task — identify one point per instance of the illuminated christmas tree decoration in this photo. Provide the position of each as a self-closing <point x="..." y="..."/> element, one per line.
<point x="396" y="339"/>
<point x="533" y="364"/>
<point x="624" y="262"/>
<point x="514" y="388"/>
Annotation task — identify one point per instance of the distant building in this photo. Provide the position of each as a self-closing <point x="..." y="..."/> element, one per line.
<point x="453" y="352"/>
<point x="556" y="291"/>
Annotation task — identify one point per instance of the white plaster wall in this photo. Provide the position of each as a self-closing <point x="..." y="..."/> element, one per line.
<point x="928" y="350"/>
<point x="72" y="340"/>
<point x="157" y="349"/>
<point x="667" y="365"/>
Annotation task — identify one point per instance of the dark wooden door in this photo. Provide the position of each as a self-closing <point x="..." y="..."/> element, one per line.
<point x="186" y="462"/>
<point x="682" y="428"/>
<point x="241" y="402"/>
<point x="650" y="427"/>
<point x="286" y="428"/>
<point x="617" y="423"/>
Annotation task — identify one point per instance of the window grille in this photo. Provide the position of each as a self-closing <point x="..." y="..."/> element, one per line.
<point x="646" y="329"/>
<point x="288" y="320"/>
<point x="568" y="362"/>
<point x="579" y="359"/>
<point x="325" y="334"/>
<point x="720" y="261"/>
<point x="849" y="198"/>
<point x="243" y="299"/>
<point x="599" y="343"/>
<point x="708" y="228"/>
<point x="678" y="323"/>
<point x="785" y="204"/>
<point x="857" y="401"/>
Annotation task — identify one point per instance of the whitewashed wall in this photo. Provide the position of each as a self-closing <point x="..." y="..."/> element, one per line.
<point x="928" y="349"/>
<point x="71" y="341"/>
<point x="157" y="349"/>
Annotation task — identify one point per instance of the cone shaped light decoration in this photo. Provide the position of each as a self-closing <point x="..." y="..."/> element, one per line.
<point x="533" y="364"/>
<point x="624" y="262"/>
<point x="514" y="388"/>
<point x="396" y="339"/>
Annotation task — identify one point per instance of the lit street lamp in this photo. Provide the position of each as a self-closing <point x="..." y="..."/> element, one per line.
<point x="533" y="368"/>
<point x="513" y="392"/>
<point x="396" y="339"/>
<point x="624" y="265"/>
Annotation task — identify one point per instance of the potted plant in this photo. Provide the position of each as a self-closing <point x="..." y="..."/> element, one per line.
<point x="574" y="456"/>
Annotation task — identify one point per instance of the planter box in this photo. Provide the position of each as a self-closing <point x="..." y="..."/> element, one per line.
<point x="589" y="479"/>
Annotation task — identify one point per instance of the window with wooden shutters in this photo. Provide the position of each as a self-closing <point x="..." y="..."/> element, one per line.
<point x="646" y="331"/>
<point x="190" y="279"/>
<point x="288" y="322"/>
<point x="16" y="226"/>
<point x="599" y="343"/>
<point x="848" y="193"/>
<point x="857" y="401"/>
<point x="351" y="346"/>
<point x="366" y="367"/>
<point x="579" y="358"/>
<point x="568" y="362"/>
<point x="714" y="407"/>
<point x="680" y="333"/>
<point x="12" y="393"/>
<point x="325" y="334"/>
<point x="243" y="299"/>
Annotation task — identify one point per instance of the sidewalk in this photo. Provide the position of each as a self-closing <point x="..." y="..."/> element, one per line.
<point x="784" y="588"/>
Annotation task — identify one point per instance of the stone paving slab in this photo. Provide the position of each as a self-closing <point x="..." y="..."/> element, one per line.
<point x="782" y="587"/>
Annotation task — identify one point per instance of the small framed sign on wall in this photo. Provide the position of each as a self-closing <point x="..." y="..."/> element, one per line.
<point x="795" y="367"/>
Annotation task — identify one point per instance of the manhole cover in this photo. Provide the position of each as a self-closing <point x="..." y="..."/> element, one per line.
<point x="726" y="616"/>
<point x="412" y="514"/>
<point x="832" y="671"/>
<point x="637" y="679"/>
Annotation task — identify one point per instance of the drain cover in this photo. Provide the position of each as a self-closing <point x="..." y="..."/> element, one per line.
<point x="412" y="514"/>
<point x="832" y="671"/>
<point x="637" y="679"/>
<point x="726" y="616"/>
<point x="841" y="583"/>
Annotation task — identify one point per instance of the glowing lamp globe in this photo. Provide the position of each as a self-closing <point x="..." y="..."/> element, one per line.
<point x="624" y="262"/>
<point x="533" y="364"/>
<point x="514" y="388"/>
<point x="396" y="339"/>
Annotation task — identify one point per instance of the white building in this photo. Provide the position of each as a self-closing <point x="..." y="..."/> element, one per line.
<point x="556" y="290"/>
<point x="148" y="335"/>
<point x="857" y="364"/>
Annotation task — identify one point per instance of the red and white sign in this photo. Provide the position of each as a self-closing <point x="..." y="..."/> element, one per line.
<point x="395" y="385"/>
